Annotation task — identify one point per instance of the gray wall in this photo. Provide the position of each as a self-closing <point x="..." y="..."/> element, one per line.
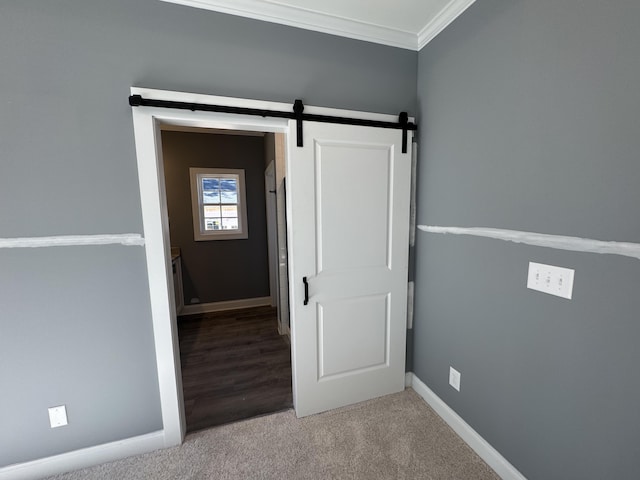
<point x="218" y="270"/>
<point x="75" y="324"/>
<point x="529" y="121"/>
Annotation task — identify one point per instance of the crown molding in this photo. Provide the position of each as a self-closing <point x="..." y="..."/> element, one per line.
<point x="332" y="24"/>
<point x="308" y="20"/>
<point x="448" y="14"/>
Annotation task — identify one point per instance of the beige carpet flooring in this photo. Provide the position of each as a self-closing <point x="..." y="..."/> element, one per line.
<point x="394" y="437"/>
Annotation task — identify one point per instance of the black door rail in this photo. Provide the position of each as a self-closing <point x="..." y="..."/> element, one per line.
<point x="297" y="114"/>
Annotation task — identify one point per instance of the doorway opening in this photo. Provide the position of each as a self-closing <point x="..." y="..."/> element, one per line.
<point x="224" y="190"/>
<point x="327" y="370"/>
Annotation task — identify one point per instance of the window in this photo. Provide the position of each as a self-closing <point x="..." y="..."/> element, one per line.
<point x="218" y="203"/>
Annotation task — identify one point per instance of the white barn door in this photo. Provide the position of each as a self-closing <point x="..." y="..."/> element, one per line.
<point x="348" y="204"/>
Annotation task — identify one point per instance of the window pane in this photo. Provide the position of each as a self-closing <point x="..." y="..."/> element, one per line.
<point x="210" y="196"/>
<point x="211" y="211"/>
<point x="212" y="224"/>
<point x="229" y="190"/>
<point x="229" y="223"/>
<point x="209" y="183"/>
<point x="229" y="210"/>
<point x="210" y="190"/>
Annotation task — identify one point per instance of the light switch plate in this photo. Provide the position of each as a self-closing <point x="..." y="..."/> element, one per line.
<point x="549" y="279"/>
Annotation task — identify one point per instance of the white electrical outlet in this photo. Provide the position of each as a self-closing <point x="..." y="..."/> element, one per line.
<point x="58" y="416"/>
<point x="549" y="279"/>
<point x="454" y="378"/>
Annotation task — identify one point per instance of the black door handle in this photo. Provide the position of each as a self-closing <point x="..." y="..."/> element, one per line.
<point x="306" y="290"/>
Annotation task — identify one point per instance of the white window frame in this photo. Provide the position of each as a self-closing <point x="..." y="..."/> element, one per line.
<point x="199" y="232"/>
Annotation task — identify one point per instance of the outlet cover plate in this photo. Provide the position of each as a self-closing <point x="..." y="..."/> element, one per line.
<point x="454" y="378"/>
<point x="549" y="279"/>
<point x="58" y="416"/>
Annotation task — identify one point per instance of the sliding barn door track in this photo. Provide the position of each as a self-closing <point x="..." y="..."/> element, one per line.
<point x="296" y="114"/>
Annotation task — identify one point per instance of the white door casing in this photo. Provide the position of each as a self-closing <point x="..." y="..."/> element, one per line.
<point x="146" y="121"/>
<point x="146" y="124"/>
<point x="349" y="194"/>
<point x="272" y="235"/>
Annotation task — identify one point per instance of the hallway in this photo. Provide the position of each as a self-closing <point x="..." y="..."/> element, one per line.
<point x="235" y="365"/>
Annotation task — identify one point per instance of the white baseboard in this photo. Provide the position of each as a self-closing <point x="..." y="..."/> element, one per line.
<point x="284" y="330"/>
<point x="85" y="457"/>
<point x="500" y="465"/>
<point x="408" y="379"/>
<point x="227" y="305"/>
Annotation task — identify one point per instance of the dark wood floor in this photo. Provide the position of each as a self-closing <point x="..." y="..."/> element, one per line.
<point x="235" y="365"/>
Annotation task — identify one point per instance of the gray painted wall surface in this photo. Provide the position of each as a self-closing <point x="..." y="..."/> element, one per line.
<point x="67" y="166"/>
<point x="221" y="270"/>
<point x="75" y="331"/>
<point x="529" y="121"/>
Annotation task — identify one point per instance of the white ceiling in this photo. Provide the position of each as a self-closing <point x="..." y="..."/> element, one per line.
<point x="409" y="24"/>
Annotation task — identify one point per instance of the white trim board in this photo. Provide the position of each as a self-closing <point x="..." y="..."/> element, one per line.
<point x="453" y="10"/>
<point x="146" y="125"/>
<point x="490" y="455"/>
<point x="285" y="330"/>
<point x="84" y="457"/>
<point x="408" y="379"/>
<point x="334" y="24"/>
<point x="129" y="239"/>
<point x="226" y="305"/>
<point x="560" y="242"/>
<point x="206" y="131"/>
